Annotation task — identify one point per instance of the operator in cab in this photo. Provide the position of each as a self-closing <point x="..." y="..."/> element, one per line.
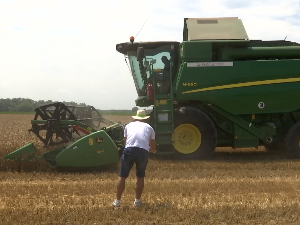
<point x="165" y="60"/>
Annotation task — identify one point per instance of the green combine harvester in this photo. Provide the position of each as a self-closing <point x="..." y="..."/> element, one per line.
<point x="73" y="137"/>
<point x="217" y="88"/>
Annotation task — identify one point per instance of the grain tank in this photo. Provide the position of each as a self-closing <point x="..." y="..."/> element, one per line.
<point x="218" y="88"/>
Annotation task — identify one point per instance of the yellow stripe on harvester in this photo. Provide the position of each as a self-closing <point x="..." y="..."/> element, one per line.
<point x="247" y="84"/>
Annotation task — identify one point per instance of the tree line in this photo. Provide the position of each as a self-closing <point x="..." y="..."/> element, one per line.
<point x="29" y="105"/>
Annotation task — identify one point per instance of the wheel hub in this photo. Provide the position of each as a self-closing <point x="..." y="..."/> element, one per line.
<point x="186" y="138"/>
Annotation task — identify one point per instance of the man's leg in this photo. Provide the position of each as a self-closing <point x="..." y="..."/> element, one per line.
<point x="139" y="187"/>
<point x="141" y="164"/>
<point x="120" y="187"/>
<point x="126" y="165"/>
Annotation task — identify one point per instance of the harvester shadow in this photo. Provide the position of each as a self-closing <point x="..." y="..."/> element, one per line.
<point x="27" y="167"/>
<point x="243" y="155"/>
<point x="250" y="156"/>
<point x="113" y="168"/>
<point x="221" y="155"/>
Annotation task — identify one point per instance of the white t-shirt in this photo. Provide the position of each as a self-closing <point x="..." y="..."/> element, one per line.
<point x="137" y="134"/>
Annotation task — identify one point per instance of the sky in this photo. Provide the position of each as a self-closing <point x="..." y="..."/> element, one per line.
<point x="65" y="50"/>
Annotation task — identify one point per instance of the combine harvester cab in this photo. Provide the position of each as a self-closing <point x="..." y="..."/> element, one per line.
<point x="73" y="131"/>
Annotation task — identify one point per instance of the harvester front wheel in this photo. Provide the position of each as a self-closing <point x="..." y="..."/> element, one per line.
<point x="194" y="135"/>
<point x="293" y="141"/>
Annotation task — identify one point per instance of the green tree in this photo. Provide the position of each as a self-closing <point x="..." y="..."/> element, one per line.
<point x="134" y="109"/>
<point x="25" y="106"/>
<point x="4" y="105"/>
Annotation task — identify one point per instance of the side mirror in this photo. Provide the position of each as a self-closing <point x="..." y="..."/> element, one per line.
<point x="140" y="54"/>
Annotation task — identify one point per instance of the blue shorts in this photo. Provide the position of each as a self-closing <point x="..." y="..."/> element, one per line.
<point x="132" y="155"/>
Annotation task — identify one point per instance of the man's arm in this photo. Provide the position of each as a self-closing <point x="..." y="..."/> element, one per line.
<point x="125" y="140"/>
<point x="152" y="145"/>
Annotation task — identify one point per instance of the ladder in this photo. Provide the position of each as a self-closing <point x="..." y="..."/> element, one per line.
<point x="163" y="109"/>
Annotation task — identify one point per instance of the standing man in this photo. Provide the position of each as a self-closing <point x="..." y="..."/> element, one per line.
<point x="139" y="139"/>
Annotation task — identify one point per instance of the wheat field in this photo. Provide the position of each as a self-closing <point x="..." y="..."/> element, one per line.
<point x="249" y="186"/>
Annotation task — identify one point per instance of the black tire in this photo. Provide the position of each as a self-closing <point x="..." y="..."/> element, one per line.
<point x="292" y="141"/>
<point x="196" y="118"/>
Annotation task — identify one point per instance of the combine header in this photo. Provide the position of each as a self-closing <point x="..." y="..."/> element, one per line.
<point x="74" y="137"/>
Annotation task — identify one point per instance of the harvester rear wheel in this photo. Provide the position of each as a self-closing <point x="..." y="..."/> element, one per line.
<point x="293" y="141"/>
<point x="194" y="135"/>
